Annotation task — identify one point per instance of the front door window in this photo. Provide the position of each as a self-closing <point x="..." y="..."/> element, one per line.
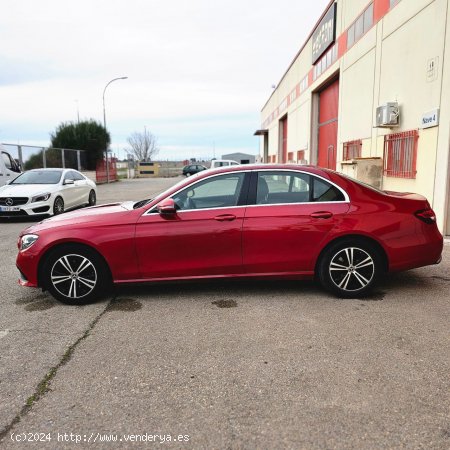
<point x="217" y="192"/>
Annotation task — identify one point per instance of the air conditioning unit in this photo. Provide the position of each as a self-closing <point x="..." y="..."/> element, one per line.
<point x="388" y="115"/>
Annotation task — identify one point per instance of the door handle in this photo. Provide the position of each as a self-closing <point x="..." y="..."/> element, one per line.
<point x="321" y="215"/>
<point x="225" y="217"/>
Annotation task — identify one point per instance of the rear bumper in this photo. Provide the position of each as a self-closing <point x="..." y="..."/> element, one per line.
<point x="425" y="250"/>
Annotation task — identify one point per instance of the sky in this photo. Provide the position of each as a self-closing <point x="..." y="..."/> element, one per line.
<point x="198" y="71"/>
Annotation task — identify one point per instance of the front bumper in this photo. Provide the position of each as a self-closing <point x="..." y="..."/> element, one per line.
<point x="29" y="209"/>
<point x="27" y="264"/>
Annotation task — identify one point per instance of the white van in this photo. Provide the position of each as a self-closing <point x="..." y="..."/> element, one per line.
<point x="215" y="163"/>
<point x="9" y="169"/>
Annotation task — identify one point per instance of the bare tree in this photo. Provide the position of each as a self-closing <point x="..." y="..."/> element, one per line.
<point x="144" y="146"/>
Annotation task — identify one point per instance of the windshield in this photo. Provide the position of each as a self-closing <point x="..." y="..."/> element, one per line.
<point x="39" y="177"/>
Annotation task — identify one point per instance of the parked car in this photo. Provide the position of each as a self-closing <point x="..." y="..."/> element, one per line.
<point x="192" y="169"/>
<point x="9" y="169"/>
<point x="246" y="221"/>
<point x="216" y="163"/>
<point x="46" y="192"/>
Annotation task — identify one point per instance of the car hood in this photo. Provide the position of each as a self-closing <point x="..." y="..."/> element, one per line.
<point x="26" y="190"/>
<point x="94" y="214"/>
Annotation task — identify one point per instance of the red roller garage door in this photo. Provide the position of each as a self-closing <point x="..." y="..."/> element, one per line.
<point x="328" y="125"/>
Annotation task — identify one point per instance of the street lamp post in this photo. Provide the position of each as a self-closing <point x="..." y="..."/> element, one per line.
<point x="104" y="125"/>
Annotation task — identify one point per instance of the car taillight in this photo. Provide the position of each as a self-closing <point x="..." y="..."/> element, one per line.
<point x="426" y="215"/>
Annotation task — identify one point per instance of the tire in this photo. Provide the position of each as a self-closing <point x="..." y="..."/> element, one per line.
<point x="92" y="199"/>
<point x="63" y="278"/>
<point x="188" y="174"/>
<point x="350" y="268"/>
<point x="58" y="206"/>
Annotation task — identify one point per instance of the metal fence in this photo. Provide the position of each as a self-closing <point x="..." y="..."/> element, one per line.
<point x="34" y="157"/>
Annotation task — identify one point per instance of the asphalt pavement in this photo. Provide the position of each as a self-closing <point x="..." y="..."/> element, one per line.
<point x="212" y="365"/>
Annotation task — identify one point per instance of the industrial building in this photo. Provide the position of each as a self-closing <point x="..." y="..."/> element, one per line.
<point x="241" y="158"/>
<point x="368" y="94"/>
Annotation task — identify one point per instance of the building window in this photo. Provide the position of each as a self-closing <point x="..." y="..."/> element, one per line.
<point x="360" y="26"/>
<point x="352" y="149"/>
<point x="351" y="36"/>
<point x="400" y="154"/>
<point x="326" y="61"/>
<point x="291" y="156"/>
<point x="301" y="155"/>
<point x="304" y="84"/>
<point x="368" y="18"/>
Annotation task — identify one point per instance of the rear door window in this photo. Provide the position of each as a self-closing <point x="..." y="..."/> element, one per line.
<point x="279" y="187"/>
<point x="325" y="192"/>
<point x="282" y="187"/>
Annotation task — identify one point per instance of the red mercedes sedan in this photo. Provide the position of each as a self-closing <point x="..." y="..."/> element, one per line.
<point x="244" y="221"/>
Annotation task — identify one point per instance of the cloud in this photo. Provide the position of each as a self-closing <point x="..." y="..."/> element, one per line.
<point x="186" y="62"/>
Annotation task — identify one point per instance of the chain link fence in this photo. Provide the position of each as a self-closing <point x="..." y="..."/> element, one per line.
<point x="34" y="157"/>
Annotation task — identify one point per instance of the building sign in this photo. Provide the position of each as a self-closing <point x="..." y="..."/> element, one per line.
<point x="325" y="34"/>
<point x="430" y="119"/>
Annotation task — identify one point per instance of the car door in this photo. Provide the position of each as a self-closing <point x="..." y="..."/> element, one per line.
<point x="291" y="214"/>
<point x="9" y="169"/>
<point x="69" y="191"/>
<point x="203" y="238"/>
<point x="81" y="187"/>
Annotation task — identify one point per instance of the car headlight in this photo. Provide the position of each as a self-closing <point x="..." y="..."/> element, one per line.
<point x="41" y="197"/>
<point x="27" y="240"/>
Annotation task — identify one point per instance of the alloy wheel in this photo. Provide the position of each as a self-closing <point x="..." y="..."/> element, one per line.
<point x="73" y="276"/>
<point x="92" y="198"/>
<point x="352" y="269"/>
<point x="59" y="206"/>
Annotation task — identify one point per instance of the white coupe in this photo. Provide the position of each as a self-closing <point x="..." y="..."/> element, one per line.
<point x="46" y="192"/>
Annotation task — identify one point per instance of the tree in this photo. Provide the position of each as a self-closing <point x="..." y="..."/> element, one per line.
<point x="144" y="146"/>
<point x="52" y="158"/>
<point x="87" y="135"/>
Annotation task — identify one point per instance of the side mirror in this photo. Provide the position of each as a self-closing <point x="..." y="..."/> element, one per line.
<point x="167" y="206"/>
<point x="66" y="182"/>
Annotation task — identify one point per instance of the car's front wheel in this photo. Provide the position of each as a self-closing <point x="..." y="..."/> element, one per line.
<point x="75" y="274"/>
<point x="350" y="268"/>
<point x="58" y="206"/>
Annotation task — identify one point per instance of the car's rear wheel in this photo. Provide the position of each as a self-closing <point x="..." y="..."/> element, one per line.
<point x="92" y="198"/>
<point x="350" y="268"/>
<point x="75" y="275"/>
<point x="58" y="206"/>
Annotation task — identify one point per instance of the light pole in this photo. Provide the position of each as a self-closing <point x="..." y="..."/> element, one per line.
<point x="104" y="125"/>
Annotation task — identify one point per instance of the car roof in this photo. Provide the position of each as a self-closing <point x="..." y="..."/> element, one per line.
<point x="48" y="169"/>
<point x="261" y="166"/>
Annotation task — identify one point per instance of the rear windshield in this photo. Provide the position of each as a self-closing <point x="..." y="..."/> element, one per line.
<point x="39" y="177"/>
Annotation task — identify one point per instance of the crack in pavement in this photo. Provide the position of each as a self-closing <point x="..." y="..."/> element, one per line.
<point x="43" y="386"/>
